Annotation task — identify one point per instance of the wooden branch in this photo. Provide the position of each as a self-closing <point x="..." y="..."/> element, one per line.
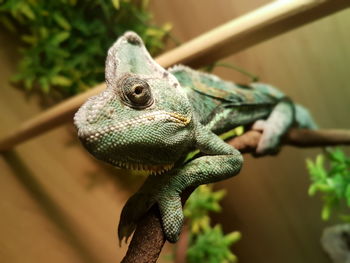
<point x="148" y="239"/>
<point x="250" y="29"/>
<point x="259" y="25"/>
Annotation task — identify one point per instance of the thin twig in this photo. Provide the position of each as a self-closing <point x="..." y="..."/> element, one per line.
<point x="148" y="239"/>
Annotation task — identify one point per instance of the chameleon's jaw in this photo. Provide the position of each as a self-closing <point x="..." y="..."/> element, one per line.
<point x="151" y="169"/>
<point x="147" y="142"/>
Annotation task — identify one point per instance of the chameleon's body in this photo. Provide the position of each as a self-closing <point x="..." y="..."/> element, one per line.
<point x="149" y="118"/>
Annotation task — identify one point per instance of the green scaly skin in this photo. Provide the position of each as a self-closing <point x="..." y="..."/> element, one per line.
<point x="149" y="118"/>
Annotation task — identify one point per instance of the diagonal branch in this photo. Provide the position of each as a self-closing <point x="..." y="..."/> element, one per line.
<point x="261" y="24"/>
<point x="148" y="239"/>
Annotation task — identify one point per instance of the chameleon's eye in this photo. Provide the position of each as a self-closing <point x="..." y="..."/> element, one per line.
<point x="136" y="93"/>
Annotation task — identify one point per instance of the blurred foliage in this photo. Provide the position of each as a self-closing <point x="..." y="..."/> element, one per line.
<point x="202" y="201"/>
<point x="330" y="175"/>
<point x="65" y="42"/>
<point x="207" y="244"/>
<point x="238" y="131"/>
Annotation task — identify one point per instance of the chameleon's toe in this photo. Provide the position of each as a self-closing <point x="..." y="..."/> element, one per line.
<point x="268" y="145"/>
<point x="270" y="141"/>
<point x="135" y="208"/>
<point x="125" y="230"/>
<point x="259" y="125"/>
<point x="172" y="216"/>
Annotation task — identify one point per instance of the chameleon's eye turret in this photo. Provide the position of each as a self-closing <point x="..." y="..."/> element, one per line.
<point x="136" y="93"/>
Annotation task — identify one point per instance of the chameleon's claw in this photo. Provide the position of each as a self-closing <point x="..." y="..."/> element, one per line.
<point x="259" y="125"/>
<point x="135" y="208"/>
<point x="125" y="231"/>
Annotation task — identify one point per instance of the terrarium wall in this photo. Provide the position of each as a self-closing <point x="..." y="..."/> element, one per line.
<point x="59" y="205"/>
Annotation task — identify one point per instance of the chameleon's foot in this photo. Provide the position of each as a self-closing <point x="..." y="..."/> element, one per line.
<point x="169" y="203"/>
<point x="270" y="140"/>
<point x="172" y="216"/>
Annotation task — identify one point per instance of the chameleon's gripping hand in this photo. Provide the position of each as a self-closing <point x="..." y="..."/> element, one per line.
<point x="165" y="190"/>
<point x="277" y="124"/>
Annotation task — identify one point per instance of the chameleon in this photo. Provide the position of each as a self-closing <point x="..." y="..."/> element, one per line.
<point x="149" y="118"/>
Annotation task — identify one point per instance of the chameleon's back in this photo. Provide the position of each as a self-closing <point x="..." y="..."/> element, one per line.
<point x="223" y="105"/>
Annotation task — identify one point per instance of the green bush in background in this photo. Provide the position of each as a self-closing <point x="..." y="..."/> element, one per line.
<point x="65" y="41"/>
<point x="207" y="244"/>
<point x="330" y="176"/>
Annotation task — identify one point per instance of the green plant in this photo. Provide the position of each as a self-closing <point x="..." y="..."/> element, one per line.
<point x="330" y="175"/>
<point x="65" y="41"/>
<point x="207" y="244"/>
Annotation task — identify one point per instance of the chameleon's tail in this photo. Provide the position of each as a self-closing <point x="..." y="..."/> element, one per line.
<point x="135" y="208"/>
<point x="303" y="118"/>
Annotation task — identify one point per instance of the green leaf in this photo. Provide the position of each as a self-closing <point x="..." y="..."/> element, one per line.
<point x="344" y="218"/>
<point x="218" y="195"/>
<point x="60" y="37"/>
<point x="191" y="155"/>
<point x="233" y="237"/>
<point x="312" y="189"/>
<point x="7" y="24"/>
<point x="347" y="195"/>
<point x="116" y="4"/>
<point x="326" y="212"/>
<point x="29" y="39"/>
<point x="26" y="10"/>
<point x="44" y="85"/>
<point x="43" y="31"/>
<point x="319" y="161"/>
<point x="61" y="81"/>
<point x="17" y="77"/>
<point x="61" y="21"/>
<point x="232" y="133"/>
<point x="212" y="246"/>
<point x="28" y="83"/>
<point x="319" y="187"/>
<point x="73" y="2"/>
<point x="337" y="155"/>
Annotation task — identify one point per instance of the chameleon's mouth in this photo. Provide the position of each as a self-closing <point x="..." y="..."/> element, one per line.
<point x="152" y="169"/>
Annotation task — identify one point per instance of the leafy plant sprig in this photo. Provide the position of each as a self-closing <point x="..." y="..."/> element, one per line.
<point x="65" y="41"/>
<point x="207" y="243"/>
<point x="330" y="176"/>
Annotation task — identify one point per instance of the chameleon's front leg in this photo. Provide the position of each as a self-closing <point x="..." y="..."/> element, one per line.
<point x="223" y="162"/>
<point x="203" y="170"/>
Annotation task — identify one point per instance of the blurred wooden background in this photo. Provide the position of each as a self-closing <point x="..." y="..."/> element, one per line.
<point x="60" y="205"/>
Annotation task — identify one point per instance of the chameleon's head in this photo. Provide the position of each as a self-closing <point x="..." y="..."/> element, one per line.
<point x="143" y="120"/>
